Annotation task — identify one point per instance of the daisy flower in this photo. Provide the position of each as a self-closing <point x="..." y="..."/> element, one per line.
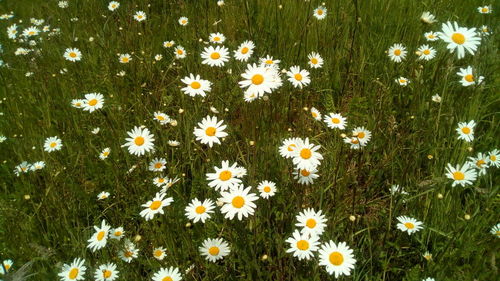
<point x="167" y="274"/>
<point x="408" y="224"/>
<point x="260" y="79"/>
<point x="459" y="38"/>
<point x="198" y="211"/>
<point x="72" y="54"/>
<point x="113" y="5"/>
<point x="7" y="264"/>
<point x="183" y="21"/>
<point x="315" y="60"/>
<point x="217" y="38"/>
<point x="155" y="206"/>
<point x="468" y="78"/>
<point x="485" y="30"/>
<point x="338" y="258"/>
<point x="117" y="233"/>
<point x="157" y="165"/>
<point x="360" y="137"/>
<point x="238" y="201"/>
<point x="210" y="130"/>
<point x="74" y="271"/>
<point x="224" y="177"/>
<point x="24" y="167"/>
<point x="195" y="86"/>
<point x="480" y="162"/>
<point x="160" y="181"/>
<point x="288" y="147"/>
<point x="312" y="223"/>
<point x="315" y="113"/>
<point x="402" y="81"/>
<point x="168" y="44"/>
<point x="495" y="230"/>
<point x="465" y="130"/>
<point x="52" y="144"/>
<point x="335" y="121"/>
<point x="268" y="61"/>
<point x="428" y="18"/>
<point x="215" y="56"/>
<point x="396" y="189"/>
<point x="37" y="165"/>
<point x="426" y="53"/>
<point x="306" y="155"/>
<point x="103" y="195"/>
<point x="159" y="253"/>
<point x="484" y="10"/>
<point x="431" y="36"/>
<point x="99" y="238"/>
<point x="31" y="31"/>
<point x="104" y="153"/>
<point x="298" y="77"/>
<point x="320" y="12"/>
<point x="12" y="31"/>
<point x="436" y="98"/>
<point x="140" y="141"/>
<point x="124" y="58"/>
<point x="244" y="51"/>
<point x="179" y="52"/>
<point x="267" y="189"/>
<point x="106" y="272"/>
<point x="397" y="53"/>
<point x="92" y="102"/>
<point x="214" y="249"/>
<point x="465" y="175"/>
<point x="140" y="16"/>
<point x="302" y="246"/>
<point x="494" y="158"/>
<point x="161" y="117"/>
<point x="305" y="176"/>
<point x="129" y="252"/>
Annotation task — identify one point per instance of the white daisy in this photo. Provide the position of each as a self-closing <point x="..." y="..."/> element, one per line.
<point x="214" y="249"/>
<point x="161" y="117"/>
<point x="335" y="121"/>
<point x="129" y="252"/>
<point x="312" y="223"/>
<point x="302" y="246"/>
<point x="217" y="38"/>
<point x="484" y="10"/>
<point x="140" y="141"/>
<point x="425" y="52"/>
<point x="495" y="230"/>
<point x="288" y="147"/>
<point x="72" y="54"/>
<point x="104" y="153"/>
<point x="269" y="61"/>
<point x="298" y="77"/>
<point x="431" y="36"/>
<point x="465" y="130"/>
<point x="306" y="156"/>
<point x="116" y="233"/>
<point x="103" y="195"/>
<point x="159" y="253"/>
<point x="315" y="113"/>
<point x="260" y="79"/>
<point x="179" y="52"/>
<point x="320" y="12"/>
<point x="480" y="162"/>
<point x="106" y="272"/>
<point x="338" y="258"/>
<point x="460" y="38"/>
<point x="305" y="176"/>
<point x="428" y="18"/>
<point x="244" y="51"/>
<point x="124" y="58"/>
<point x="397" y="53"/>
<point x="465" y="175"/>
<point x="93" y="101"/>
<point x="198" y="211"/>
<point x="113" y="5"/>
<point x="225" y="177"/>
<point x="210" y="130"/>
<point x="100" y="237"/>
<point x="195" y="86"/>
<point x="215" y="56"/>
<point x="157" y="165"/>
<point x="52" y="144"/>
<point x="74" y="271"/>
<point x="468" y="78"/>
<point x="494" y="158"/>
<point x="267" y="189"/>
<point x="315" y="60"/>
<point x="238" y="201"/>
<point x="155" y="206"/>
<point x="167" y="274"/>
<point x="183" y="21"/>
<point x="140" y="16"/>
<point x="409" y="225"/>
<point x="402" y="81"/>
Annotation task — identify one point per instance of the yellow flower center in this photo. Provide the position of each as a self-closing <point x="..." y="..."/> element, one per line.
<point x="314" y="61"/>
<point x="291" y="147"/>
<point x="53" y="144"/>
<point x="238" y="202"/>
<point x="73" y="54"/>
<point x="158" y="253"/>
<point x="469" y="78"/>
<point x="161" y="180"/>
<point x="269" y="62"/>
<point x="427" y="52"/>
<point x="180" y="52"/>
<point x="466" y="130"/>
<point x="480" y="163"/>
<point x="298" y="77"/>
<point x="257" y="79"/>
<point x="402" y="81"/>
<point x="361" y="135"/>
<point x="125" y="59"/>
<point x="73" y="273"/>
<point x="159" y="117"/>
<point x="100" y="235"/>
<point x="335" y="120"/>
<point x="106" y="273"/>
<point x="92" y="102"/>
<point x="118" y="233"/>
<point x="184" y="21"/>
<point x="311" y="223"/>
<point x="200" y="210"/>
<point x="155" y="205"/>
<point x="195" y="85"/>
<point x="214" y="250"/>
<point x="305" y="173"/>
<point x="168" y="278"/>
<point x="493" y="158"/>
<point x="397" y="52"/>
<point x="484" y="10"/>
<point x="431" y="36"/>
<point x="215" y="56"/>
<point x="128" y="254"/>
<point x="458" y="176"/>
<point x="302" y="245"/>
<point x="267" y="189"/>
<point x="139" y="141"/>
<point x="314" y="114"/>
<point x="458" y="38"/>
<point x="305" y="153"/>
<point x="7" y="266"/>
<point x="210" y="131"/>
<point x="225" y="175"/>
<point x="158" y="165"/>
<point x="320" y="12"/>
<point x="336" y="258"/>
<point x="409" y="225"/>
<point x="354" y="141"/>
<point x="244" y="50"/>
<point x="216" y="38"/>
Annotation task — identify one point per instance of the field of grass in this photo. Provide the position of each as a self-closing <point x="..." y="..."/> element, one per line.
<point x="48" y="215"/>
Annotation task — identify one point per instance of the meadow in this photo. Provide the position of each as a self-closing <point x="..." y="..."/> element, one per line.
<point x="384" y="180"/>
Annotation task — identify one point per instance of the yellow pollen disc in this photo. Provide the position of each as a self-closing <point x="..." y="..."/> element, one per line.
<point x="180" y="52"/>
<point x="125" y="59"/>
<point x="469" y="78"/>
<point x="128" y="254"/>
<point x="118" y="233"/>
<point x="216" y="38"/>
<point x="267" y="189"/>
<point x="484" y="10"/>
<point x="158" y="253"/>
<point x="73" y="55"/>
<point x="458" y="176"/>
<point x="354" y="141"/>
<point x="427" y="52"/>
<point x="214" y="251"/>
<point x="314" y="61"/>
<point x="269" y="62"/>
<point x="305" y="153"/>
<point x="402" y="81"/>
<point x="225" y="175"/>
<point x="480" y="163"/>
<point x="215" y="56"/>
<point x="73" y="273"/>
<point x="311" y="223"/>
<point x="100" y="235"/>
<point x="168" y="278"/>
<point x="53" y="144"/>
<point x="244" y="50"/>
<point x="397" y="52"/>
<point x="158" y="165"/>
<point x="458" y="38"/>
<point x="409" y="225"/>
<point x="314" y="114"/>
<point x="361" y="135"/>
<point x="195" y="85"/>
<point x="431" y="36"/>
<point x="291" y="147"/>
<point x="238" y="202"/>
<point x="160" y="180"/>
<point x="498" y="233"/>
<point x="466" y="130"/>
<point x="320" y="12"/>
<point x="302" y="245"/>
<point x="298" y="77"/>
<point x="184" y="21"/>
<point x="105" y="153"/>
<point x="106" y="273"/>
<point x="493" y="158"/>
<point x="257" y="79"/>
<point x="335" y="120"/>
<point x="139" y="141"/>
<point x="7" y="266"/>
<point x="159" y="117"/>
<point x="336" y="258"/>
<point x="200" y="210"/>
<point x="305" y="173"/>
<point x="210" y="131"/>
<point x="92" y="102"/>
<point x="155" y="205"/>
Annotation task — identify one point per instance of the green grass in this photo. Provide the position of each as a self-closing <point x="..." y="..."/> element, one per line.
<point x="53" y="225"/>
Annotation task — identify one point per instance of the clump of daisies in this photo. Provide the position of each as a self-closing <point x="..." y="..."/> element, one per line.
<point x="25" y="167"/>
<point x="91" y="102"/>
<point x="305" y="157"/>
<point x="259" y="80"/>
